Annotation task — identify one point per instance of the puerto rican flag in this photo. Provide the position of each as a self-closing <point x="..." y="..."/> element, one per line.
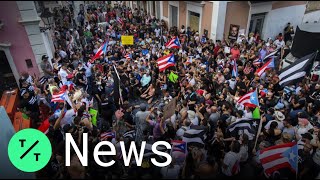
<point x="280" y="156"/>
<point x="165" y="62"/>
<point x="179" y="151"/>
<point x="268" y="65"/>
<point x="257" y="62"/>
<point x="62" y="96"/>
<point x="102" y="50"/>
<point x="59" y="97"/>
<point x="173" y="43"/>
<point x="249" y="100"/>
<point x="128" y="56"/>
<point x="235" y="69"/>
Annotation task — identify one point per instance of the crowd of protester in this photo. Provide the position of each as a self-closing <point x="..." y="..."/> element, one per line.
<point x="206" y="95"/>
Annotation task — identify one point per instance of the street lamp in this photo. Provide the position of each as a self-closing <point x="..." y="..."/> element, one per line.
<point x="47" y="18"/>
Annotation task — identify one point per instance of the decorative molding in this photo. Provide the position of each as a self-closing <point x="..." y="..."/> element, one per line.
<point x="5" y="45"/>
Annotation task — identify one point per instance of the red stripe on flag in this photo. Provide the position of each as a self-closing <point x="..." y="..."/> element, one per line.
<point x="269" y="171"/>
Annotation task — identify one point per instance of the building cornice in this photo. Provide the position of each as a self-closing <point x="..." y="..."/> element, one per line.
<point x="196" y="4"/>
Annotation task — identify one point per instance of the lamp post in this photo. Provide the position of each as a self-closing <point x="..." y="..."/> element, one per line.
<point x="47" y="18"/>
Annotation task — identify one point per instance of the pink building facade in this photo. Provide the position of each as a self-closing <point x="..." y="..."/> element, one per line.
<point x="20" y="38"/>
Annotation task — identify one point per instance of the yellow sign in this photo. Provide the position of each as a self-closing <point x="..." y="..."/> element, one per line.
<point x="127" y="40"/>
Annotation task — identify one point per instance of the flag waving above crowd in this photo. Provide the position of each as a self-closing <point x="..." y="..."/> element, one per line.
<point x="297" y="70"/>
<point x="173" y="43"/>
<point x="165" y="62"/>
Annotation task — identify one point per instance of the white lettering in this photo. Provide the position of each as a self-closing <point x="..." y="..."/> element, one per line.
<point x="126" y="159"/>
<point x="166" y="155"/>
<point x="97" y="153"/>
<point x="83" y="158"/>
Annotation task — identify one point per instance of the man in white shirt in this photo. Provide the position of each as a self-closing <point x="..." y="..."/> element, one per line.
<point x="157" y="31"/>
<point x="63" y="73"/>
<point x="232" y="82"/>
<point x="279" y="43"/>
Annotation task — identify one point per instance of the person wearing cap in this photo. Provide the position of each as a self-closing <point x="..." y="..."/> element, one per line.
<point x="46" y="67"/>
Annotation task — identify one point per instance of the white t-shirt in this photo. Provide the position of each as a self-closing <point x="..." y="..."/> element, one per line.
<point x="279" y="44"/>
<point x="280" y="125"/>
<point x="232" y="84"/>
<point x="247" y="114"/>
<point x="195" y="121"/>
<point x="232" y="160"/>
<point x="63" y="74"/>
<point x="157" y="31"/>
<point x="192" y="82"/>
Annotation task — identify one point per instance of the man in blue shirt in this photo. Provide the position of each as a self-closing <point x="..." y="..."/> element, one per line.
<point x="145" y="80"/>
<point x="263" y="52"/>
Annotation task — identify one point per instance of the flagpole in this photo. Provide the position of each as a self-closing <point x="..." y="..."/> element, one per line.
<point x="260" y="124"/>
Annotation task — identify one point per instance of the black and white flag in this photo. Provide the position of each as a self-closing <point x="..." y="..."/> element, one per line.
<point x="130" y="134"/>
<point x="270" y="55"/>
<point x="296" y="71"/>
<point x="195" y="136"/>
<point x="244" y="126"/>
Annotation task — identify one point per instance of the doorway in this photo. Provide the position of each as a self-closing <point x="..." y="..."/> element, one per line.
<point x="7" y="78"/>
<point x="256" y="23"/>
<point x="194" y="20"/>
<point x="174" y="16"/>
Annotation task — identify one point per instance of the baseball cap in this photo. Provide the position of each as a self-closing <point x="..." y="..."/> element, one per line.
<point x="45" y="57"/>
<point x="307" y="136"/>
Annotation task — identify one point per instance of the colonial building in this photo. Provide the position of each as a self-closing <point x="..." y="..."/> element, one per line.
<point x="22" y="44"/>
<point x="268" y="18"/>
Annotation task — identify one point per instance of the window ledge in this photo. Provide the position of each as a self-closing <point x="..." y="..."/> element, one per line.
<point x="5" y="45"/>
<point x="196" y="4"/>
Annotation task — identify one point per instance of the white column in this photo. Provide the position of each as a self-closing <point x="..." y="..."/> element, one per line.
<point x="30" y="20"/>
<point x="219" y="9"/>
<point x="249" y="19"/>
<point x="161" y="10"/>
